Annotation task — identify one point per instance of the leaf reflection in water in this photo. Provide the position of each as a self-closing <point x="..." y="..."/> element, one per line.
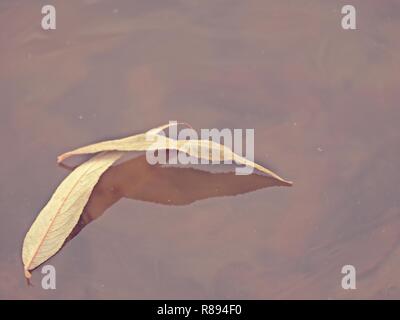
<point x="168" y="185"/>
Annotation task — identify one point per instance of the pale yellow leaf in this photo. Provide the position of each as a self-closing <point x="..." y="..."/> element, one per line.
<point x="204" y="149"/>
<point x="151" y="140"/>
<point x="57" y="219"/>
<point x="138" y="142"/>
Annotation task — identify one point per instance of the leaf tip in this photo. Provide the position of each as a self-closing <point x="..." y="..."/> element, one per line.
<point x="60" y="159"/>
<point x="28" y="276"/>
<point x="285" y="182"/>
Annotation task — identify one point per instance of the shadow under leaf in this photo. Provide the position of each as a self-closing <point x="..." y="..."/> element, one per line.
<point x="137" y="179"/>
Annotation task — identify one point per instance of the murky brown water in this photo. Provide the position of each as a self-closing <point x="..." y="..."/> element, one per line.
<point x="324" y="105"/>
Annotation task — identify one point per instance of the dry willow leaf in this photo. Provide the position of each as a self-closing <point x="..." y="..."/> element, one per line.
<point x="151" y="140"/>
<point x="138" y="142"/>
<point x="57" y="219"/>
<point x="204" y="149"/>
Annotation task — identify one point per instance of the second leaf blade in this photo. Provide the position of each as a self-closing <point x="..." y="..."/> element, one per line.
<point x="57" y="219"/>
